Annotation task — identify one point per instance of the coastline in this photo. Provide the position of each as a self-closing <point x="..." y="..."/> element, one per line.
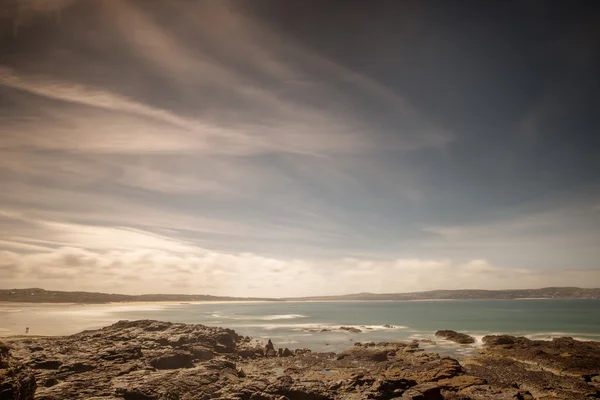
<point x="37" y="295"/>
<point x="314" y="324"/>
<point x="157" y="360"/>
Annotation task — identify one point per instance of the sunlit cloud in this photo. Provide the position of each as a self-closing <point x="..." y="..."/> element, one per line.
<point x="142" y="271"/>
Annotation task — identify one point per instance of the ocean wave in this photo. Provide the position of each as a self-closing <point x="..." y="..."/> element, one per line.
<point x="280" y="342"/>
<point x="368" y="328"/>
<point x="281" y="316"/>
<point x="323" y="327"/>
<point x="478" y="336"/>
<point x="272" y="317"/>
<point x="554" y="335"/>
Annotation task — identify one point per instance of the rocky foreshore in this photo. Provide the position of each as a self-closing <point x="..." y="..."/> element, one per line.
<point x="152" y="360"/>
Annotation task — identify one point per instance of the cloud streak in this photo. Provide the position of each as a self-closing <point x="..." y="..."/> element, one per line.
<point x="205" y="146"/>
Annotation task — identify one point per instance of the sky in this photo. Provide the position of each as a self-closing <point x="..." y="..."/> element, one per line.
<point x="291" y="148"/>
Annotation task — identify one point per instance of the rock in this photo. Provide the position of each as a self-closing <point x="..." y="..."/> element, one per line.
<point x="460" y="382"/>
<point x="391" y="386"/>
<point x="287" y="353"/>
<point x="201" y="353"/>
<point x="524" y="395"/>
<point x="358" y="353"/>
<point x="76" y="367"/>
<point x="271" y="353"/>
<point x="425" y="391"/>
<point x="493" y="340"/>
<point x="350" y="329"/>
<point x="16" y="381"/>
<point x="507" y="361"/>
<point x="269" y="346"/>
<point x="457" y="337"/>
<point x="173" y="360"/>
<point x="388" y="326"/>
<point x="152" y="360"/>
<point x="50" y="381"/>
<point x="251" y="353"/>
<point x="45" y="364"/>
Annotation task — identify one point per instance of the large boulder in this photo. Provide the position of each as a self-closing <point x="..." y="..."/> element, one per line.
<point x="498" y="340"/>
<point x="457" y="337"/>
<point x="359" y="353"/>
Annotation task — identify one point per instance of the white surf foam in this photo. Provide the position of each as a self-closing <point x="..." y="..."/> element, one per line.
<point x="273" y="317"/>
<point x="370" y="328"/>
<point x="10" y="310"/>
<point x="282" y="316"/>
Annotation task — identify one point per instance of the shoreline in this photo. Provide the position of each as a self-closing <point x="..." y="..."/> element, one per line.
<point x="183" y="302"/>
<point x="313" y="329"/>
<point x="131" y="359"/>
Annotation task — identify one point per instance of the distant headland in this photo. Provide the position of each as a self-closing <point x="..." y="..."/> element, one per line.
<point x="36" y="295"/>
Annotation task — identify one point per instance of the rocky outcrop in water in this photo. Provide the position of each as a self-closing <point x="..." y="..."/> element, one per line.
<point x="152" y="360"/>
<point x="457" y="337"/>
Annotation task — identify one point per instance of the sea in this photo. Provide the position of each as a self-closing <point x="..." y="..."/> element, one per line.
<point x="315" y="325"/>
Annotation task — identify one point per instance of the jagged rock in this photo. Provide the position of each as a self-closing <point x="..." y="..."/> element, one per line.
<point x="152" y="360"/>
<point x="50" y="381"/>
<point x="461" y="338"/>
<point x="76" y="367"/>
<point x="173" y="360"/>
<point x="460" y="382"/>
<point x="392" y="387"/>
<point x="201" y="353"/>
<point x="364" y="354"/>
<point x="425" y="391"/>
<point x="271" y="353"/>
<point x="539" y="366"/>
<point x="269" y="346"/>
<point x="251" y="353"/>
<point x="45" y="364"/>
<point x="493" y="340"/>
<point x="16" y="381"/>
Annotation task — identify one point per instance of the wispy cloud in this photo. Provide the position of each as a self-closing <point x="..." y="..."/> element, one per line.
<point x="178" y="139"/>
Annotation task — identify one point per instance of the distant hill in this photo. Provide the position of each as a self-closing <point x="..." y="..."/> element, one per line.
<point x="36" y="295"/>
<point x="468" y="294"/>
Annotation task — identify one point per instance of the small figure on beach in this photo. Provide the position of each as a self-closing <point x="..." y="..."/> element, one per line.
<point x="26" y="330"/>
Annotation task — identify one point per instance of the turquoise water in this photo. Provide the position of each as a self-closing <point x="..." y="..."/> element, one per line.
<point x="300" y="324"/>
